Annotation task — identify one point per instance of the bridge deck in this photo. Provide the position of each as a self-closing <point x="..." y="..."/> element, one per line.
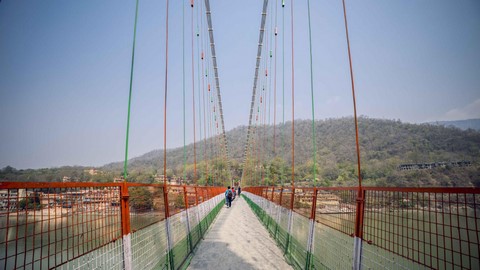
<point x="237" y="240"/>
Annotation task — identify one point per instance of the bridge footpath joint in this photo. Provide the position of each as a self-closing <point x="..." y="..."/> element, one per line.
<point x="237" y="240"/>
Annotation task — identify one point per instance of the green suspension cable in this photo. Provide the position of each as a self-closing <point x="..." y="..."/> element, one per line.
<point x="313" y="102"/>
<point x="184" y="113"/>
<point x="283" y="81"/>
<point x="130" y="93"/>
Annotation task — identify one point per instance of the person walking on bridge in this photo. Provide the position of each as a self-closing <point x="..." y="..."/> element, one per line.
<point x="234" y="193"/>
<point x="228" y="197"/>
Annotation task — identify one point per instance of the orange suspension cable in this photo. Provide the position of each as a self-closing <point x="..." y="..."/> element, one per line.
<point x="353" y="96"/>
<point x="360" y="195"/>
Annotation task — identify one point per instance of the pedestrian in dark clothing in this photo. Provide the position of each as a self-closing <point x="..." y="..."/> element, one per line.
<point x="228" y="197"/>
<point x="239" y="190"/>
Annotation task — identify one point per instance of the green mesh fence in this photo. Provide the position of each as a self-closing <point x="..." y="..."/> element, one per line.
<point x="334" y="251"/>
<point x="149" y="244"/>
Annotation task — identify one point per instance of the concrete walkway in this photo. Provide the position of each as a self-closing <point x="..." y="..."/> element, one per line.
<point x="237" y="240"/>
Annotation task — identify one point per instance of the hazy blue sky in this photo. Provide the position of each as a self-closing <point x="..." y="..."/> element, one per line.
<point x="65" y="66"/>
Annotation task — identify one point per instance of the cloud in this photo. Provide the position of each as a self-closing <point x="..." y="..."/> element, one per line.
<point x="469" y="111"/>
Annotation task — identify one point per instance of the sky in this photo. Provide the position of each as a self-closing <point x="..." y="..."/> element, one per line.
<point x="65" y="69"/>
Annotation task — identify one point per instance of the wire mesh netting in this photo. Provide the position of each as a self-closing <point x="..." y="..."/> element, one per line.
<point x="46" y="227"/>
<point x="147" y="206"/>
<point x="331" y="249"/>
<point x="149" y="247"/>
<point x="109" y="256"/>
<point x="303" y="200"/>
<point x="176" y="199"/>
<point x="401" y="228"/>
<point x="297" y="248"/>
<point x="92" y="225"/>
<point x="336" y="209"/>
<point x="180" y="243"/>
<point x="436" y="229"/>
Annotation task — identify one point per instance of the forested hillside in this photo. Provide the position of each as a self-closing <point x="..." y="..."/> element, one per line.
<point x="384" y="145"/>
<point x="461" y="124"/>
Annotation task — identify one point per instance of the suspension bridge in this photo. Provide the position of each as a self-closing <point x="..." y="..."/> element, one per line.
<point x="274" y="224"/>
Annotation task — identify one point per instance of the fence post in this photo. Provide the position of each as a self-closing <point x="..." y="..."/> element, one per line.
<point x="127" y="241"/>
<point x="271" y="206"/>
<point x="279" y="211"/>
<point x="290" y="219"/>
<point x="168" y="229"/>
<point x="198" y="212"/>
<point x="281" y="196"/>
<point x="311" y="230"/>
<point x="357" y="244"/>
<point x="189" y="236"/>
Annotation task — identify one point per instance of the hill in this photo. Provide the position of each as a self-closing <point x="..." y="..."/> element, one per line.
<point x="384" y="145"/>
<point x="461" y="124"/>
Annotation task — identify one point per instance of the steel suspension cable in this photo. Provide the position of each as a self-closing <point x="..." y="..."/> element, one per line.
<point x="283" y="84"/>
<point x="358" y="234"/>
<point x="213" y="129"/>
<point x="275" y="84"/>
<point x="263" y="105"/>
<point x="193" y="103"/>
<point x="210" y="125"/>
<point x="204" y="105"/>
<point x="275" y="90"/>
<point x="184" y="109"/>
<point x="293" y="102"/>
<point x="215" y="68"/>
<point x="208" y="117"/>
<point x="125" y="170"/>
<point x="272" y="30"/>
<point x="353" y="96"/>
<point x="255" y="79"/>
<point x="257" y="156"/>
<point x="200" y="85"/>
<point x="270" y="59"/>
<point x="167" y="212"/>
<point x="313" y="100"/>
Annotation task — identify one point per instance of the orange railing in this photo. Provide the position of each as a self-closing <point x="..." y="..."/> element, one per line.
<point x="46" y="225"/>
<point x="436" y="228"/>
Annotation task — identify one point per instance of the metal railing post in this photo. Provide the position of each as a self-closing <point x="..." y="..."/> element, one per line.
<point x="198" y="211"/>
<point x="270" y="205"/>
<point x="189" y="236"/>
<point x="290" y="220"/>
<point x="279" y="211"/>
<point x="127" y="241"/>
<point x="168" y="229"/>
<point x="311" y="231"/>
<point x="358" y="237"/>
